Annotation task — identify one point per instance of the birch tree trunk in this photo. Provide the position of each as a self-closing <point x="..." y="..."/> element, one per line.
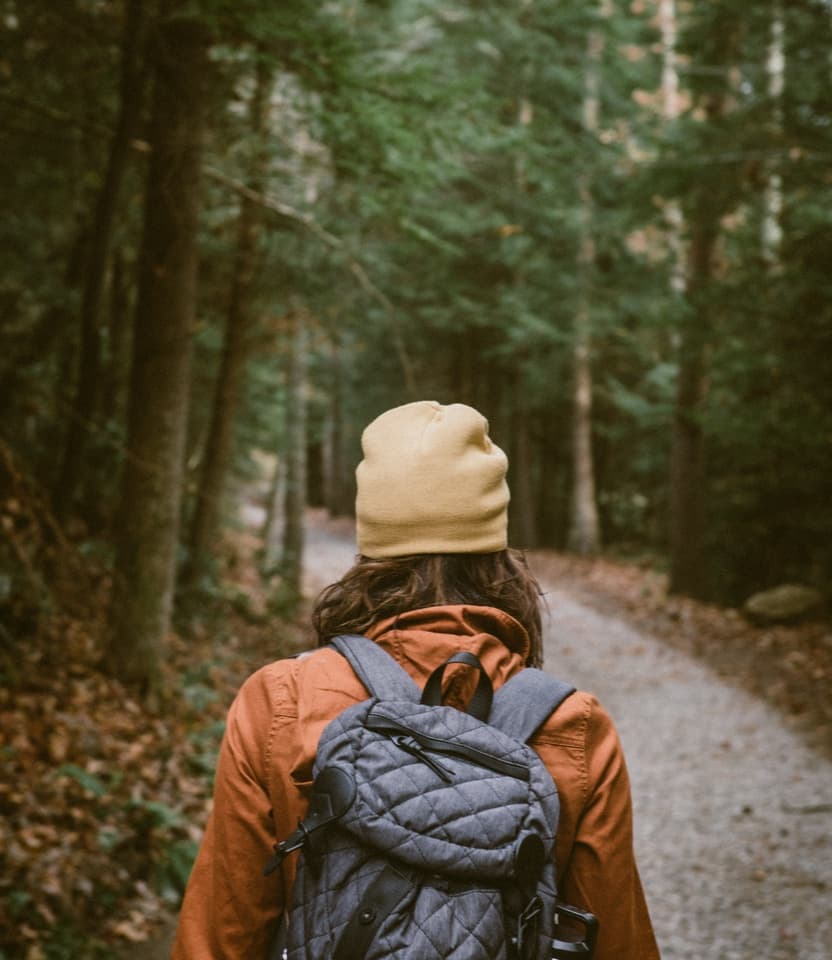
<point x="158" y="404"/>
<point x="670" y="111"/>
<point x="771" y="231"/>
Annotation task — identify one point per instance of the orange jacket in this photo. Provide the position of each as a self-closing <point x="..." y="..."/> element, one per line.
<point x="265" y="771"/>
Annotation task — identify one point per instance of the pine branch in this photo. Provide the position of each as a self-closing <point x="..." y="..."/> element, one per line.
<point x="357" y="269"/>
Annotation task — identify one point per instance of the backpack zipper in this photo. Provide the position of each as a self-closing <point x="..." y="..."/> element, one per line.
<point x="412" y="746"/>
<point x="420" y="745"/>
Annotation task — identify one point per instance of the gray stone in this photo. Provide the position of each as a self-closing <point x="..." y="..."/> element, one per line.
<point x="789" y="603"/>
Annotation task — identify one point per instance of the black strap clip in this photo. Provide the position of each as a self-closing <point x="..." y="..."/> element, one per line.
<point x="296" y="839"/>
<point x="332" y="795"/>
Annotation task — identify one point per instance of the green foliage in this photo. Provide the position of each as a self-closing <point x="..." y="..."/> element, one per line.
<point x="88" y="781"/>
<point x="441" y="159"/>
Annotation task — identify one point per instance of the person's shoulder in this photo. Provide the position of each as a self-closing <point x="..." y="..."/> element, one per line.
<point x="580" y="718"/>
<point x="280" y="685"/>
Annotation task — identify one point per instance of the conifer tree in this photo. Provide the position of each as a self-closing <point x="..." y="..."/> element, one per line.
<point x="149" y="513"/>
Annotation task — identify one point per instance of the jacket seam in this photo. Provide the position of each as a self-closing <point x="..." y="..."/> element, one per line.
<point x="585" y="752"/>
<point x="279" y="713"/>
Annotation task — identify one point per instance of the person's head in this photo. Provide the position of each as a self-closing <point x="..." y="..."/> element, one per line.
<point x="432" y="525"/>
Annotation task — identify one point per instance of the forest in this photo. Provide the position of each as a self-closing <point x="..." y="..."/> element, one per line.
<point x="234" y="233"/>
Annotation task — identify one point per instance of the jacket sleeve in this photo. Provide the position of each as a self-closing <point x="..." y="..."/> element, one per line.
<point x="602" y="876"/>
<point x="230" y="909"/>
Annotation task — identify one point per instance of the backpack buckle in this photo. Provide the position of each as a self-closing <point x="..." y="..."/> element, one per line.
<point x="570" y="949"/>
<point x="293" y="842"/>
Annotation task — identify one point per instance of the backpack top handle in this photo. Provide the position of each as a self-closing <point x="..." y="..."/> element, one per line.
<point x="480" y="705"/>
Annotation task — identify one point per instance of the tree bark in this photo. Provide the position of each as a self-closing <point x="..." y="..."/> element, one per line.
<point x="771" y="229"/>
<point x="584" y="536"/>
<point x="118" y="335"/>
<point x="274" y="515"/>
<point x="204" y="532"/>
<point x="291" y="559"/>
<point x="584" y="526"/>
<point x="687" y="452"/>
<point x="162" y="340"/>
<point x="523" y="524"/>
<point x="338" y="481"/>
<point x="88" y="374"/>
<point x="670" y="111"/>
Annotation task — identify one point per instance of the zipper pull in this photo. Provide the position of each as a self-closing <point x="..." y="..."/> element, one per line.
<point x="415" y="749"/>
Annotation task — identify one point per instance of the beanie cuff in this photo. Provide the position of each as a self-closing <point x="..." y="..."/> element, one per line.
<point x="383" y="541"/>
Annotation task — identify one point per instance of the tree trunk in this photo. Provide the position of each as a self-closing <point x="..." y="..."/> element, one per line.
<point x="687" y="453"/>
<point x="771" y="230"/>
<point x="274" y="515"/>
<point x="291" y="560"/>
<point x="552" y="489"/>
<point x="96" y="505"/>
<point x="204" y="532"/>
<point x="89" y="356"/>
<point x="584" y="527"/>
<point x="315" y="481"/>
<point x="339" y="486"/>
<point x="118" y="336"/>
<point x="584" y="536"/>
<point x="670" y="111"/>
<point x="523" y="525"/>
<point x="162" y="340"/>
<point x="334" y="467"/>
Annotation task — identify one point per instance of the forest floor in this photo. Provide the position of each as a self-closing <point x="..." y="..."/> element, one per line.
<point x="103" y="801"/>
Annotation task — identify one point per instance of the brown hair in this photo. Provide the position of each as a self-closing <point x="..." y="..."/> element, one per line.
<point x="375" y="590"/>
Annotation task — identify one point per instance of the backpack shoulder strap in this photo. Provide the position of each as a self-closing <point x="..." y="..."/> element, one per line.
<point x="525" y="701"/>
<point x="376" y="669"/>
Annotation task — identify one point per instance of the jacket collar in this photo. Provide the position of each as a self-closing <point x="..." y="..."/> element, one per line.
<point x="422" y="639"/>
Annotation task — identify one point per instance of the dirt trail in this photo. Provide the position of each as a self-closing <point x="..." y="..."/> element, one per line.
<point x="733" y="813"/>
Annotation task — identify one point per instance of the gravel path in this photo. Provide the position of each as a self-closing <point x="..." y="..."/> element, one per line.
<point x="733" y="813"/>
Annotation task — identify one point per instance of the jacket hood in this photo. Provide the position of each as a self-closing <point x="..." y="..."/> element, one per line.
<point x="421" y="640"/>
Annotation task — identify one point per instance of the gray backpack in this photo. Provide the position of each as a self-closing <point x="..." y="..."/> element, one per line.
<point x="430" y="831"/>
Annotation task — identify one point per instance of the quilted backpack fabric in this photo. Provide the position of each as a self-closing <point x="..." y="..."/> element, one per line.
<point x="430" y="832"/>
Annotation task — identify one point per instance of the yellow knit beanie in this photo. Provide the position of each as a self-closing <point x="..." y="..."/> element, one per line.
<point x="431" y="481"/>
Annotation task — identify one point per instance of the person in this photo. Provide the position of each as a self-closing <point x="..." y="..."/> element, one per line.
<point x="434" y="576"/>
